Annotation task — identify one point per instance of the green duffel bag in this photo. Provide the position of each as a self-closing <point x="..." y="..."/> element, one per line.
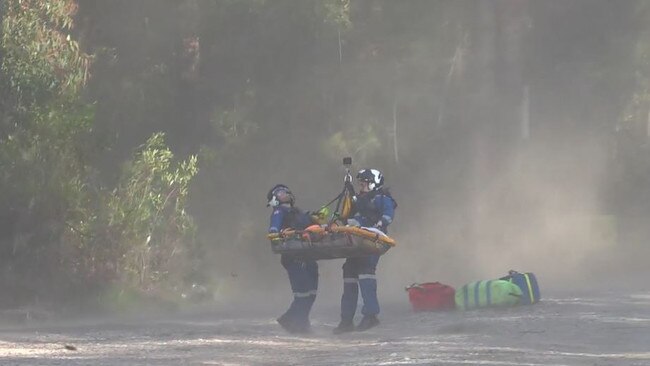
<point x="492" y="293"/>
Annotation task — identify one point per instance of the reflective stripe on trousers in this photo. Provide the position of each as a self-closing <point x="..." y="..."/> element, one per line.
<point x="303" y="277"/>
<point x="359" y="273"/>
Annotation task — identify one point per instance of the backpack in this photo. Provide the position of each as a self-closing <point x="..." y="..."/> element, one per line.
<point x="527" y="282"/>
<point x="491" y="293"/>
<point x="431" y="296"/>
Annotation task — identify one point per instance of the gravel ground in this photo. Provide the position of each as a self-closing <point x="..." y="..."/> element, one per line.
<point x="592" y="329"/>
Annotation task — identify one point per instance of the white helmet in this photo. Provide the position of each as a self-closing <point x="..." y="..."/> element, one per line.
<point x="373" y="176"/>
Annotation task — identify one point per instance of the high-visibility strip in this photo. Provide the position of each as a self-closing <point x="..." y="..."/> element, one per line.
<point x="476" y="288"/>
<point x="466" y="296"/>
<point x="350" y="280"/>
<point x="489" y="292"/>
<point x="313" y="292"/>
<point x="367" y="277"/>
<point x="530" y="289"/>
<point x="302" y="294"/>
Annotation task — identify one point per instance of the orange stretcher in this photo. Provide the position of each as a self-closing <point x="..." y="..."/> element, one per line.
<point x="322" y="242"/>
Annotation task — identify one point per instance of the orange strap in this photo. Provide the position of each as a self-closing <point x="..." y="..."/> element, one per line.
<point x="352" y="230"/>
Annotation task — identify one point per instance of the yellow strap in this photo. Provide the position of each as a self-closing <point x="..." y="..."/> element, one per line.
<point x="346" y="206"/>
<point x="530" y="289"/>
<point x="363" y="233"/>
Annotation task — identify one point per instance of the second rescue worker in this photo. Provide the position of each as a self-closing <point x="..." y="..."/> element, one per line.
<point x="373" y="207"/>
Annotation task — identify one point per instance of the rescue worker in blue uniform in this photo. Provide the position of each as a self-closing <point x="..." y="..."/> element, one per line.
<point x="373" y="207"/>
<point x="303" y="274"/>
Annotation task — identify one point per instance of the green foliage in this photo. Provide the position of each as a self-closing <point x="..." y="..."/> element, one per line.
<point x="44" y="137"/>
<point x="236" y="122"/>
<point x="140" y="234"/>
<point x="148" y="207"/>
<point x="47" y="148"/>
<point x="359" y="143"/>
<point x="70" y="231"/>
<point x="632" y="148"/>
<point x="337" y="12"/>
<point x="40" y="57"/>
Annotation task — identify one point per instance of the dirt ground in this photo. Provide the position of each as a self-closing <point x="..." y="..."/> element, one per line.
<point x="596" y="328"/>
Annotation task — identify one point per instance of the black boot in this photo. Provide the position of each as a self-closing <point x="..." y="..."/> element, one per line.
<point x="344" y="326"/>
<point x="286" y="323"/>
<point x="368" y="322"/>
<point x="293" y="326"/>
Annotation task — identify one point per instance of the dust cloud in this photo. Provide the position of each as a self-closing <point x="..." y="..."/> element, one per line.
<point x="499" y="167"/>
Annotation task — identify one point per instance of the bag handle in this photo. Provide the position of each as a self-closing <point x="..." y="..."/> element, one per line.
<point x="413" y="285"/>
<point x="419" y="285"/>
<point x="508" y="277"/>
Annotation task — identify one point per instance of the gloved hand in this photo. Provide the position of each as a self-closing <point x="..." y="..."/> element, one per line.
<point x="382" y="223"/>
<point x="320" y="216"/>
<point x="353" y="222"/>
<point x="273" y="234"/>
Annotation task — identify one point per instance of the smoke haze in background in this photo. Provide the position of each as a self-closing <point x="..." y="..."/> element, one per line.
<point x="503" y="151"/>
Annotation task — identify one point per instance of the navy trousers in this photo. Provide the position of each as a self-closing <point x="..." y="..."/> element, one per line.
<point x="359" y="273"/>
<point x="303" y="277"/>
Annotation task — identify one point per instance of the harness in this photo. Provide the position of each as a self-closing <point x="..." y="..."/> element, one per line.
<point x="367" y="209"/>
<point x="292" y="219"/>
<point x="344" y="204"/>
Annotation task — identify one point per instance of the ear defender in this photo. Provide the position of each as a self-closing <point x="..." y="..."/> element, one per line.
<point x="273" y="202"/>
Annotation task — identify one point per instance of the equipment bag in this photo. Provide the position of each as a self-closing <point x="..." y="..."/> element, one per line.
<point x="527" y="282"/>
<point x="431" y="296"/>
<point x="492" y="293"/>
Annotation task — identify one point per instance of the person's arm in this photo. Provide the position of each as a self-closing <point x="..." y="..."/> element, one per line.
<point x="276" y="220"/>
<point x="387" y="207"/>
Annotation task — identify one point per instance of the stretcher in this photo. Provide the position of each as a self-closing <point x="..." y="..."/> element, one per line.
<point x="322" y="242"/>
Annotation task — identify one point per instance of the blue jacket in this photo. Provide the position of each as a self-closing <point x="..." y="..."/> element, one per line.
<point x="284" y="216"/>
<point x="376" y="208"/>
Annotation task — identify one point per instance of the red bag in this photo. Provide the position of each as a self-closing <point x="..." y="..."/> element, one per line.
<point x="431" y="296"/>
